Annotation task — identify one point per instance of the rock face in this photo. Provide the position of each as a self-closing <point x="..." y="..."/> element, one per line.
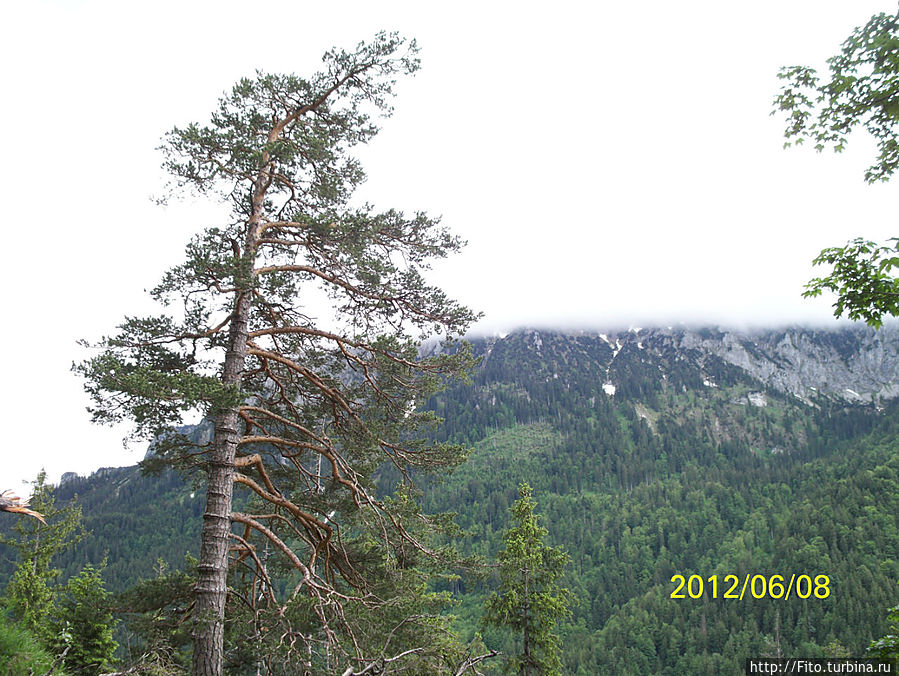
<point x="856" y="364"/>
<point x="852" y="364"/>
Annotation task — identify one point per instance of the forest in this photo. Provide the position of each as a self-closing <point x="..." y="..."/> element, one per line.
<point x="667" y="476"/>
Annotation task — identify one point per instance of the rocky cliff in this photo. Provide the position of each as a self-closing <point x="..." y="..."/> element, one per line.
<point x="854" y="363"/>
<point x="849" y="363"/>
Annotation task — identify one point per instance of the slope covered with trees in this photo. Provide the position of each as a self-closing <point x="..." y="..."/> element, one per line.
<point x="692" y="466"/>
<point x="671" y="475"/>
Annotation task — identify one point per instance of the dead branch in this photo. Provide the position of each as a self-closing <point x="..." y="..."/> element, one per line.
<point x="10" y="502"/>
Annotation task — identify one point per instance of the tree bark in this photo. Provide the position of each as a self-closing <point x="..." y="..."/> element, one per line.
<point x="211" y="590"/>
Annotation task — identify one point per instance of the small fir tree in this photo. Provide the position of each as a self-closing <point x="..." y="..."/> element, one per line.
<point x="29" y="595"/>
<point x="530" y="600"/>
<point x="83" y="623"/>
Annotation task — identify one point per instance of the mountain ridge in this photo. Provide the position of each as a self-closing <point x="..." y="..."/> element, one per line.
<point x="847" y="363"/>
<point x="851" y="363"/>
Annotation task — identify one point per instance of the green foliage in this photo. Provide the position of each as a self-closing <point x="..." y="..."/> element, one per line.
<point x="836" y="649"/>
<point x="29" y="595"/>
<point x="278" y="149"/>
<point x="400" y="626"/>
<point x="155" y="611"/>
<point x="76" y="619"/>
<point x="83" y="624"/>
<point x="305" y="403"/>
<point x="694" y="487"/>
<point x="861" y="280"/>
<point x="20" y="651"/>
<point x="887" y="647"/>
<point x="30" y="598"/>
<point x="862" y="88"/>
<point x="405" y="572"/>
<point x="529" y="600"/>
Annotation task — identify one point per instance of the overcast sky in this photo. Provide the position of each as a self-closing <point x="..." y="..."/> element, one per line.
<point x="609" y="164"/>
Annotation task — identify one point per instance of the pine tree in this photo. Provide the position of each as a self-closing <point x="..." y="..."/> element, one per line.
<point x="305" y="403"/>
<point x="530" y="600"/>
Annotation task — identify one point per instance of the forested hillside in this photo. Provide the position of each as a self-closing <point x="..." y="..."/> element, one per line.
<point x="692" y="466"/>
<point x="651" y="454"/>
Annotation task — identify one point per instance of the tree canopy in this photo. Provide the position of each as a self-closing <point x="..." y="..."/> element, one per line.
<point x="861" y="89"/>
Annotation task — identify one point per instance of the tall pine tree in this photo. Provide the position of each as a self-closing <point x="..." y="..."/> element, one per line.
<point x="306" y="403"/>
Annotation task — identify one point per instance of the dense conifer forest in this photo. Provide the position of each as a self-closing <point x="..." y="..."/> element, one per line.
<point x="675" y="473"/>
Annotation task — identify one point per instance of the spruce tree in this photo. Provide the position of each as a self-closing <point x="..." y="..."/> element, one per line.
<point x="29" y="593"/>
<point x="530" y="600"/>
<point x="83" y="624"/>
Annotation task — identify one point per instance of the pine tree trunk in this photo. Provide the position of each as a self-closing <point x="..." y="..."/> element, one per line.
<point x="211" y="590"/>
<point x="212" y="582"/>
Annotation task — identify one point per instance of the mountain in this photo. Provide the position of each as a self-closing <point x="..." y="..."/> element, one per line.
<point x="652" y="453"/>
<point x="693" y="452"/>
<point x="713" y="376"/>
<point x="855" y="364"/>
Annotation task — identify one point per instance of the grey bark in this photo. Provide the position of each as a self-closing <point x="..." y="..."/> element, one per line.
<point x="211" y="590"/>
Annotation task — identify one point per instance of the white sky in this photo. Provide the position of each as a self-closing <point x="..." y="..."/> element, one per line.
<point x="608" y="163"/>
